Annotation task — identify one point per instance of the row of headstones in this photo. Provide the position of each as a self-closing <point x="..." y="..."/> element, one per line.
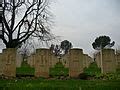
<point x="108" y="60"/>
<point x="43" y="58"/>
<point x="43" y="61"/>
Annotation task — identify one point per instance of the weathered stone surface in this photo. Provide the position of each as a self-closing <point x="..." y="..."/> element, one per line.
<point x="53" y="60"/>
<point x="9" y="56"/>
<point x="118" y="60"/>
<point x="89" y="61"/>
<point x="31" y="60"/>
<point x="19" y="60"/>
<point x="86" y="60"/>
<point x="98" y="59"/>
<point x="75" y="62"/>
<point x="43" y="56"/>
<point x="106" y="60"/>
<point x="1" y="64"/>
<point x="65" y="60"/>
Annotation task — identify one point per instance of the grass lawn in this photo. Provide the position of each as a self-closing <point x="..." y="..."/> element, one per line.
<point x="72" y="84"/>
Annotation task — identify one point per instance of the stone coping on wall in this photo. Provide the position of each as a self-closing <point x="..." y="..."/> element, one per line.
<point x="76" y="49"/>
<point x="108" y="50"/>
<point x="48" y="49"/>
<point x="9" y="49"/>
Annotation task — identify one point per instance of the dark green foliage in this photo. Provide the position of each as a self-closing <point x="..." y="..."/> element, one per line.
<point x="83" y="76"/>
<point x="107" y="76"/>
<point x="101" y="42"/>
<point x="59" y="70"/>
<point x="118" y="73"/>
<point x="92" y="70"/>
<point x="66" y="45"/>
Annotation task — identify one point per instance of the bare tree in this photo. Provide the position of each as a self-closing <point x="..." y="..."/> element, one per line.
<point x="23" y="19"/>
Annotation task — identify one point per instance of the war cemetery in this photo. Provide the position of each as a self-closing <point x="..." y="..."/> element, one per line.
<point x="44" y="67"/>
<point x="56" y="67"/>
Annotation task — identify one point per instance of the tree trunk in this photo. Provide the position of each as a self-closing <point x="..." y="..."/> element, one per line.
<point x="13" y="44"/>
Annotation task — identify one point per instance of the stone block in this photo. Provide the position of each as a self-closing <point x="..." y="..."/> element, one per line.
<point x="2" y="64"/>
<point x="118" y="60"/>
<point x="42" y="59"/>
<point x="9" y="56"/>
<point x="108" y="61"/>
<point x="75" y="62"/>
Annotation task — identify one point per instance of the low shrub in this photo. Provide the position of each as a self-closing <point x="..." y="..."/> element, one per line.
<point x="92" y="70"/>
<point x="59" y="70"/>
<point x="107" y="76"/>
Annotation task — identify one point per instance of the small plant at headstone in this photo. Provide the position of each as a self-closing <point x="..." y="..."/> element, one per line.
<point x="25" y="69"/>
<point x="59" y="70"/>
<point x="92" y="70"/>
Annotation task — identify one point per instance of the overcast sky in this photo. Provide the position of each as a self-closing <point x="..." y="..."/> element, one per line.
<point x="81" y="21"/>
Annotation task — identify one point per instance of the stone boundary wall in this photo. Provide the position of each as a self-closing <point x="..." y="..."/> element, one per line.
<point x="118" y="60"/>
<point x="89" y="61"/>
<point x="31" y="60"/>
<point x="98" y="59"/>
<point x="65" y="60"/>
<point x="53" y="60"/>
<point x="19" y="60"/>
<point x="86" y="60"/>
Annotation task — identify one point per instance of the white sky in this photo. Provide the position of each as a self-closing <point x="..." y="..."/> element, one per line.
<point x="81" y="21"/>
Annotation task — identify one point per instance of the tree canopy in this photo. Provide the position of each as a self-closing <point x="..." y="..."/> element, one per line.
<point x="22" y="19"/>
<point x="61" y="49"/>
<point x="66" y="46"/>
<point x="101" y="42"/>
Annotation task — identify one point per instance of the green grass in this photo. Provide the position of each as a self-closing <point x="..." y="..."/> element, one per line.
<point x="44" y="84"/>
